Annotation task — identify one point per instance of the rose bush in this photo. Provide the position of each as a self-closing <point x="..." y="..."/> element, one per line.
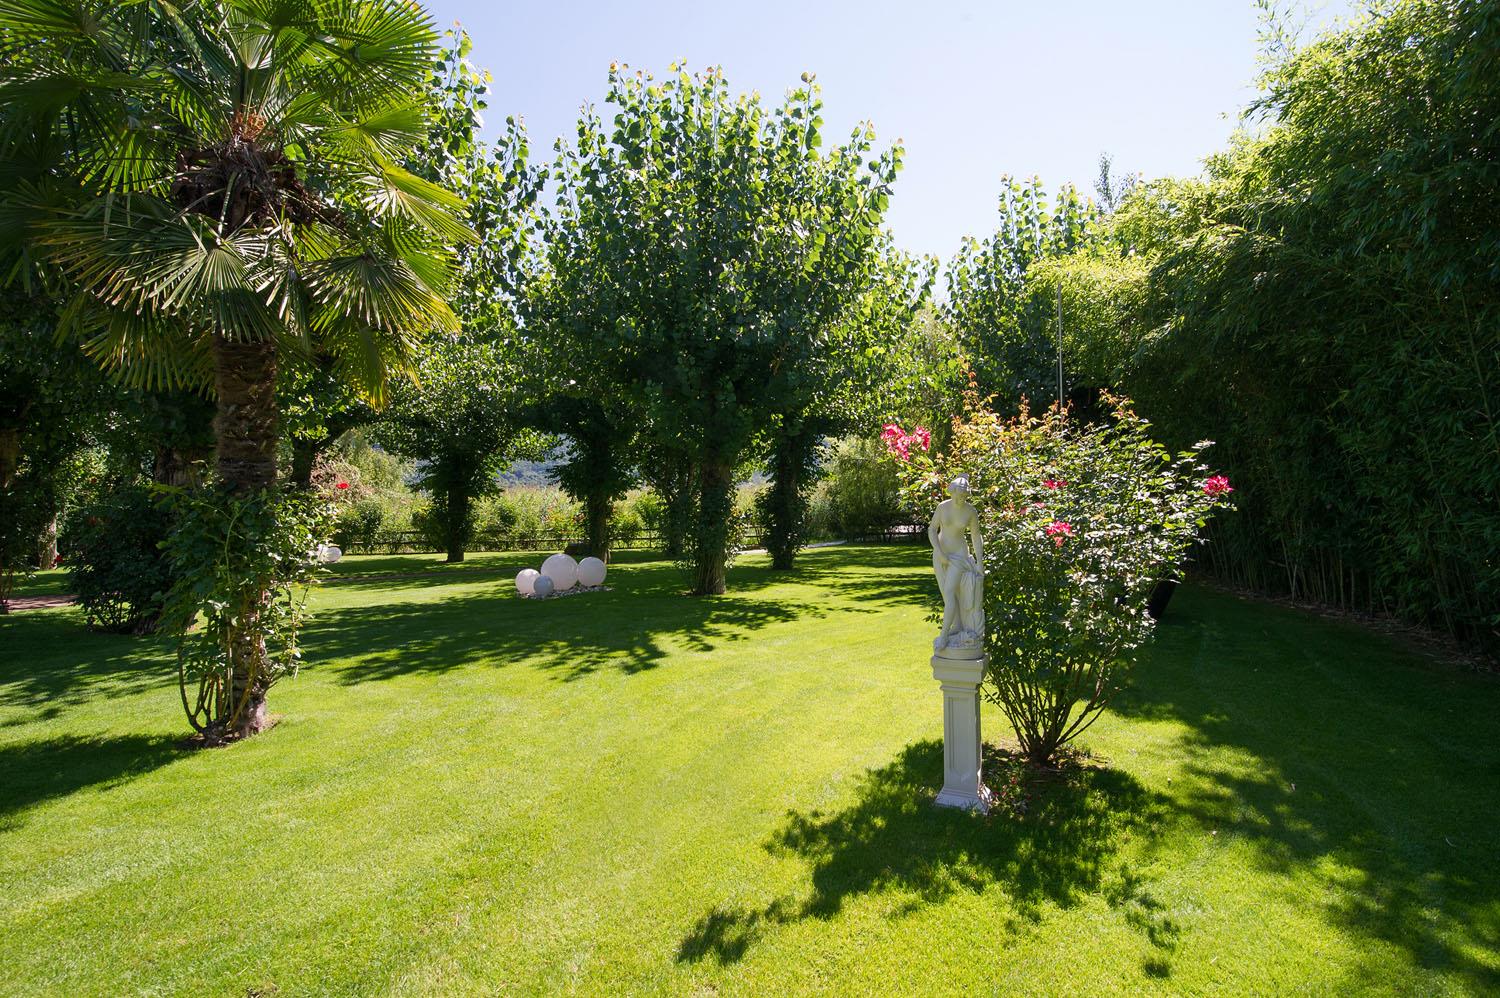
<point x="241" y="565"/>
<point x="1080" y="522"/>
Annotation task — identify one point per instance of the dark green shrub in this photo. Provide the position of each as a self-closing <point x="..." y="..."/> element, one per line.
<point x="359" y="525"/>
<point x="116" y="565"/>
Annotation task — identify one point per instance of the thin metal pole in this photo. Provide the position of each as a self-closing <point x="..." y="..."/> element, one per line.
<point x="1059" y="350"/>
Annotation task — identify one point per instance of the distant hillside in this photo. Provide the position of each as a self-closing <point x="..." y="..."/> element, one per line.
<point x="530" y="473"/>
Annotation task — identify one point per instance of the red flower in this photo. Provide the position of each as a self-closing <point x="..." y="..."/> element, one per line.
<point x="1218" y="485"/>
<point x="1053" y="483"/>
<point x="920" y="436"/>
<point x="1059" y="531"/>
<point x="342" y="485"/>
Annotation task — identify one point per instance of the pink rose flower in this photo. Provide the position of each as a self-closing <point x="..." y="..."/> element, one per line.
<point x="1218" y="485"/>
<point x="1059" y="531"/>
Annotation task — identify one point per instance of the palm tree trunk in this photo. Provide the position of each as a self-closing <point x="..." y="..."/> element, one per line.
<point x="245" y="422"/>
<point x="245" y="436"/>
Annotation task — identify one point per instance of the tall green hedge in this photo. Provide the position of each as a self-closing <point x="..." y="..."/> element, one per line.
<point x="1325" y="304"/>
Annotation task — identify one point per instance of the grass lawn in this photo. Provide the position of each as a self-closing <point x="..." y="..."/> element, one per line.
<point x="640" y="792"/>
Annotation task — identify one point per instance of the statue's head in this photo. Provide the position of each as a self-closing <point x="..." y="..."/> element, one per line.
<point x="958" y="487"/>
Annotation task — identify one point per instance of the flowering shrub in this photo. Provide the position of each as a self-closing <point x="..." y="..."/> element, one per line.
<point x="899" y="443"/>
<point x="1080" y="522"/>
<point x="338" y="481"/>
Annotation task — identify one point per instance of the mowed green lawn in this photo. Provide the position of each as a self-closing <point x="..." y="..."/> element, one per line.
<point x="639" y="792"/>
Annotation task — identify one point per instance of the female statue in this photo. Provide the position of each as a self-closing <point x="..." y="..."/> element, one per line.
<point x="960" y="573"/>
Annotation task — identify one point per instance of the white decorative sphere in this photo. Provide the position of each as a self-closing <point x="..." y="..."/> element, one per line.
<point x="563" y="570"/>
<point x="591" y="572"/>
<point x="329" y="553"/>
<point x="525" y="578"/>
<point x="542" y="586"/>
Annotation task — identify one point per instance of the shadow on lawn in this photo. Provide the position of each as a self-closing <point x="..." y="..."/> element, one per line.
<point x="33" y="772"/>
<point x="1347" y="764"/>
<point x="892" y="838"/>
<point x="632" y="627"/>
<point x="53" y="661"/>
<point x="1362" y="780"/>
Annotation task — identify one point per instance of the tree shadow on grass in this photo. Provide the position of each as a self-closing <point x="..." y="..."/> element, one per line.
<point x="38" y="771"/>
<point x="1064" y="847"/>
<point x="52" y="661"/>
<point x="1367" y="780"/>
<point x="632" y="627"/>
<point x="873" y="575"/>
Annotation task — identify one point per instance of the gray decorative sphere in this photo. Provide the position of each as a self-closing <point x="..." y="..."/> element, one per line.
<point x="542" y="585"/>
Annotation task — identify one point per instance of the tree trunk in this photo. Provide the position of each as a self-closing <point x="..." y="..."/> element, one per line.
<point x="305" y="452"/>
<point x="784" y="504"/>
<point x="175" y="467"/>
<point x="599" y="508"/>
<point x="456" y="525"/>
<point x="10" y="454"/>
<point x="304" y="456"/>
<point x="47" y="549"/>
<point x="245" y="436"/>
<point x="711" y="530"/>
<point x="245" y="421"/>
<point x="671" y="479"/>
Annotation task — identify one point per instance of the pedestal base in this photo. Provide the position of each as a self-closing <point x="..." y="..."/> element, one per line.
<point x="963" y="784"/>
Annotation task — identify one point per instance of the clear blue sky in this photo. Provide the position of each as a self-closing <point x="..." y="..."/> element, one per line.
<point x="976" y="89"/>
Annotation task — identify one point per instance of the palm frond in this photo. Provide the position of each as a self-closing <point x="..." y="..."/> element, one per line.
<point x="379" y="134"/>
<point x="378" y="292"/>
<point x="373" y="52"/>
<point x="143" y="348"/>
<point x="392" y="192"/>
<point x="47" y="18"/>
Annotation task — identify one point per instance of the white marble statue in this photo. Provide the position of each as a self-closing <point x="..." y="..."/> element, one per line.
<point x="960" y="575"/>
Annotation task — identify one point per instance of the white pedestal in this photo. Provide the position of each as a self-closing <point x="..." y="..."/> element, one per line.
<point x="961" y="759"/>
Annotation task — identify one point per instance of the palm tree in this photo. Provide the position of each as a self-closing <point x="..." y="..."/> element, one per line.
<point x="215" y="188"/>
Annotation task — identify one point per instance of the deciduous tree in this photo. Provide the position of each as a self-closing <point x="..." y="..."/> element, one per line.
<point x="728" y="243"/>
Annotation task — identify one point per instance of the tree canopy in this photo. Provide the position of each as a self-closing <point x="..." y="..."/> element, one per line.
<point x="720" y="244"/>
